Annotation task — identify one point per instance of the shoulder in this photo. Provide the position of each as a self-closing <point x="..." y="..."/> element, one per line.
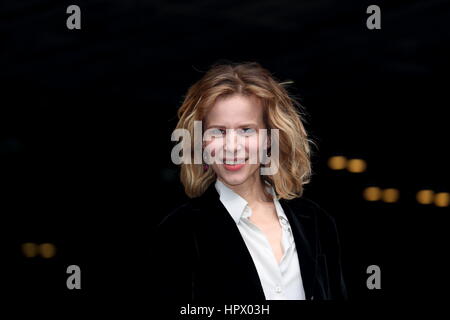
<point x="318" y="221"/>
<point x="307" y="208"/>
<point x="181" y="216"/>
<point x="193" y="210"/>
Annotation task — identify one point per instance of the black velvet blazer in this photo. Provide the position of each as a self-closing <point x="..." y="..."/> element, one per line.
<point x="200" y="255"/>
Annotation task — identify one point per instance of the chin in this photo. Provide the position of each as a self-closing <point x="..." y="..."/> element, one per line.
<point x="233" y="181"/>
<point x="235" y="178"/>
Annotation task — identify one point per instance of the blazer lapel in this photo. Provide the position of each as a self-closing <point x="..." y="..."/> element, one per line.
<point x="235" y="248"/>
<point x="303" y="231"/>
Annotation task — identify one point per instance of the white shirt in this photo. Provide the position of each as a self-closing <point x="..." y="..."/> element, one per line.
<point x="280" y="281"/>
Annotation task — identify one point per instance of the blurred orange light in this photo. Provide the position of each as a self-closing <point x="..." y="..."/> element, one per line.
<point x="29" y="249"/>
<point x="372" y="193"/>
<point x="425" y="196"/>
<point x="390" y="195"/>
<point x="337" y="162"/>
<point x="356" y="165"/>
<point x="47" y="250"/>
<point x="441" y="199"/>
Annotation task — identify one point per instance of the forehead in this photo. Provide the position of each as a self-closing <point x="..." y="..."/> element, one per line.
<point x="235" y="109"/>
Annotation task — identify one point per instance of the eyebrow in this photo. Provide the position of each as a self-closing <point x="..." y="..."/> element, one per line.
<point x="243" y="125"/>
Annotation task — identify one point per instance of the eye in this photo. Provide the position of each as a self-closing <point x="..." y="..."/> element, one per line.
<point x="216" y="132"/>
<point x="246" y="131"/>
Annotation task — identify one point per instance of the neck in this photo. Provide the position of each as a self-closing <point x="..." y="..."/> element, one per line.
<point x="252" y="190"/>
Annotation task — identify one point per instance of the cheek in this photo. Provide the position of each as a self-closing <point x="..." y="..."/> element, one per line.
<point x="213" y="145"/>
<point x="252" y="143"/>
<point x="252" y="149"/>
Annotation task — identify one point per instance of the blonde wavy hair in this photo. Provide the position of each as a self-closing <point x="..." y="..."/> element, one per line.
<point x="281" y="111"/>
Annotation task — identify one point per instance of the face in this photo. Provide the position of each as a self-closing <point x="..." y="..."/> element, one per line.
<point x="232" y="126"/>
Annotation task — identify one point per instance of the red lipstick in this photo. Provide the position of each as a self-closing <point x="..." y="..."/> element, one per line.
<point x="233" y="167"/>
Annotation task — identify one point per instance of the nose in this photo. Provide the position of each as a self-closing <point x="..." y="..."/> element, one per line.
<point x="233" y="143"/>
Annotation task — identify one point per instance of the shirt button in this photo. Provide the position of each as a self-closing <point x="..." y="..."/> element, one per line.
<point x="283" y="221"/>
<point x="278" y="289"/>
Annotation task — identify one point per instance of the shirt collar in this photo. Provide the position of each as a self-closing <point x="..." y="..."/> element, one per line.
<point x="236" y="205"/>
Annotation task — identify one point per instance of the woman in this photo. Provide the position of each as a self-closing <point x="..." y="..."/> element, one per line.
<point x="247" y="234"/>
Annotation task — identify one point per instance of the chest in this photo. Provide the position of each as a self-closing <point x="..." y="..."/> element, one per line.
<point x="266" y="222"/>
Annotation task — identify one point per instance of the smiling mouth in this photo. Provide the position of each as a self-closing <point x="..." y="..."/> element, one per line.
<point x="234" y="165"/>
<point x="234" y="162"/>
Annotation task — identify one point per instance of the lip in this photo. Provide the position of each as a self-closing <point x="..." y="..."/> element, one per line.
<point x="234" y="167"/>
<point x="234" y="160"/>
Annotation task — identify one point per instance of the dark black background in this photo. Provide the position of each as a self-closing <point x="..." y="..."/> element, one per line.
<point x="86" y="117"/>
